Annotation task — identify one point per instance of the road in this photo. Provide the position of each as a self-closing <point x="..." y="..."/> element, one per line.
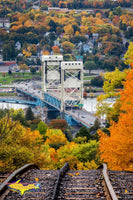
<point x="30" y="87"/>
<point x="84" y="117"/>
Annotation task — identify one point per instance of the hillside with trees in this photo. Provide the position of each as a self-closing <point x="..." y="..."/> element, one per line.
<point x="85" y="35"/>
<point x="21" y="5"/>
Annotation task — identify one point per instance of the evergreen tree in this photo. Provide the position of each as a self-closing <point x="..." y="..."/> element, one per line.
<point x="29" y="114"/>
<point x="83" y="132"/>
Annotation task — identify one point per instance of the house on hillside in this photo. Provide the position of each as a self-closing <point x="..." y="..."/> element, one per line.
<point x="5" y="24"/>
<point x="91" y="45"/>
<point x="56" y="42"/>
<point x="18" y="45"/>
<point x="95" y="36"/>
<point x="32" y="58"/>
<point x="99" y="45"/>
<point x="88" y="47"/>
<point x="53" y="8"/>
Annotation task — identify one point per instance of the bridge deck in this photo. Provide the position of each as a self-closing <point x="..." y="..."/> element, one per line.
<point x="81" y="115"/>
<point x="84" y="117"/>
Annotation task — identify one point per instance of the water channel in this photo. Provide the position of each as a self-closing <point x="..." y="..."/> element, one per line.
<point x="89" y="105"/>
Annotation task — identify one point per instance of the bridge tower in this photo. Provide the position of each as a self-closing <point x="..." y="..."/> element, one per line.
<point x="51" y="74"/>
<point x="71" y="84"/>
<point x="62" y="82"/>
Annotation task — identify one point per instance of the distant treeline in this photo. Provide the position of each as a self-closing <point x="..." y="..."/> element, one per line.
<point x="88" y="3"/>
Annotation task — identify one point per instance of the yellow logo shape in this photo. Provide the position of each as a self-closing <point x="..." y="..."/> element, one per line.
<point x="17" y="186"/>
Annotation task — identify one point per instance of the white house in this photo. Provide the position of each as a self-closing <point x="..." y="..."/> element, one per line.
<point x="5" y="23"/>
<point x="18" y="45"/>
<point x="95" y="36"/>
<point x="99" y="45"/>
<point x="56" y="42"/>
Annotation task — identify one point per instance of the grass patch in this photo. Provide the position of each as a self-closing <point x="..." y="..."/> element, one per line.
<point x="88" y="78"/>
<point x="8" y="79"/>
<point x="7" y="94"/>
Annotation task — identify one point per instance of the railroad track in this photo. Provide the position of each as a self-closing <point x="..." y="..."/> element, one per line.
<point x="4" y="175"/>
<point x="122" y="183"/>
<point x="68" y="184"/>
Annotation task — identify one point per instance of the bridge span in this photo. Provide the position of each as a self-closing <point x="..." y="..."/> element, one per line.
<point x="73" y="115"/>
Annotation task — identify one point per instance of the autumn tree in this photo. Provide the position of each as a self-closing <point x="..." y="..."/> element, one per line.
<point x="113" y="82"/>
<point x="79" y="156"/>
<point x="67" y="46"/>
<point x="18" y="145"/>
<point x="117" y="149"/>
<point x="23" y="67"/>
<point x="58" y="124"/>
<point x="55" y="138"/>
<point x="129" y="55"/>
<point x="56" y="49"/>
<point x="69" y="30"/>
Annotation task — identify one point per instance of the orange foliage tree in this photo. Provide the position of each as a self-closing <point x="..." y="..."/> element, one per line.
<point x="56" y="49"/>
<point x="117" y="149"/>
<point x="59" y="124"/>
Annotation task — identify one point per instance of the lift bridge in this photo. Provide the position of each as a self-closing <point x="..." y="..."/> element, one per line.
<point x="62" y="86"/>
<point x="62" y="83"/>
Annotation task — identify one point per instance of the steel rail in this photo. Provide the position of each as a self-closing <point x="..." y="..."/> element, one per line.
<point x="108" y="183"/>
<point x="62" y="172"/>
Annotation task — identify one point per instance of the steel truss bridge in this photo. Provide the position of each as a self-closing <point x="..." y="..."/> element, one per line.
<point x="62" y="90"/>
<point x="72" y="115"/>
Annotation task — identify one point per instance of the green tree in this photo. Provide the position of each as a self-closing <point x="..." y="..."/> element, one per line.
<point x="68" y="134"/>
<point x="86" y="152"/>
<point x="117" y="11"/>
<point x="129" y="55"/>
<point x="90" y="65"/>
<point x="33" y="70"/>
<point x="83" y="132"/>
<point x="9" y="50"/>
<point x="97" y="81"/>
<point x="29" y="114"/>
<point x="42" y="128"/>
<point x="52" y="25"/>
<point x="17" y="115"/>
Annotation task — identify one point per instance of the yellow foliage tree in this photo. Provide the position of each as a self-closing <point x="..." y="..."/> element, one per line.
<point x="23" y="67"/>
<point x="55" y="138"/>
<point x="19" y="145"/>
<point x="117" y="149"/>
<point x="129" y="55"/>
